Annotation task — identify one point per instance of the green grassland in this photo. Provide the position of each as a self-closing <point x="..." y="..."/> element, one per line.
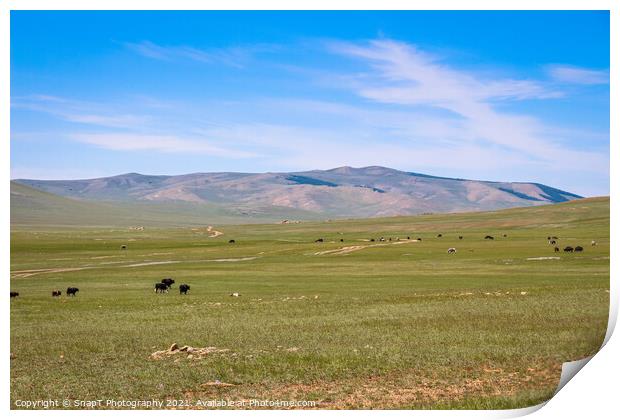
<point x="392" y="325"/>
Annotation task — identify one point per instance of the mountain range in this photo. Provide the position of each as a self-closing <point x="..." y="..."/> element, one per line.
<point x="343" y="192"/>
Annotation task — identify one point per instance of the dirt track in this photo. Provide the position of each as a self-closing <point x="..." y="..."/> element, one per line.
<point x="30" y="273"/>
<point x="353" y="248"/>
<point x="214" y="233"/>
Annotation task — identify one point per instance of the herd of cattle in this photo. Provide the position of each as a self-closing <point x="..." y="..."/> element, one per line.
<point x="161" y="287"/>
<point x="71" y="291"/>
<point x="552" y="241"/>
<point x="166" y="284"/>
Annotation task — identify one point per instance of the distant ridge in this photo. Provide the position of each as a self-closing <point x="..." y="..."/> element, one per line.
<point x="346" y="191"/>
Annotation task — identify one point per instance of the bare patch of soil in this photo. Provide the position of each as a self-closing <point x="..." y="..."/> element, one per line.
<point x="353" y="248"/>
<point x="399" y="389"/>
<point x="187" y="351"/>
<point x="30" y="273"/>
<point x="151" y="263"/>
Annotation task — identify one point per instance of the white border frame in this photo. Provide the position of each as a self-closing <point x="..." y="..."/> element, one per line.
<point x="593" y="393"/>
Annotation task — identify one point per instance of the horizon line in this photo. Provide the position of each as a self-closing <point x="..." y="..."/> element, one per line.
<point x="306" y="171"/>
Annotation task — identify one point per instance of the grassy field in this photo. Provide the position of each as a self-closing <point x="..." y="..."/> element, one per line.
<point x="398" y="324"/>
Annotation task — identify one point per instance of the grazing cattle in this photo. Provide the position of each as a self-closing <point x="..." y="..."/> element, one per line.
<point x="489" y="237"/>
<point x="554" y="237"/>
<point x="382" y="239"/>
<point x="71" y="291"/>
<point x="183" y="289"/>
<point x="419" y="239"/>
<point x="568" y="249"/>
<point x="556" y="249"/>
<point x="548" y="238"/>
<point x="341" y="240"/>
<point x="451" y="250"/>
<point x="168" y="282"/>
<point x="232" y="241"/>
<point x="593" y="243"/>
<point x="235" y="294"/>
<point x="390" y="239"/>
<point x="161" y="288"/>
<point x="504" y="235"/>
<point x="56" y="293"/>
<point x="460" y="237"/>
<point x="408" y="237"/>
<point x="123" y="246"/>
<point x="14" y="294"/>
<point x="578" y="248"/>
<point x="552" y="242"/>
<point x="440" y="235"/>
<point x="319" y="240"/>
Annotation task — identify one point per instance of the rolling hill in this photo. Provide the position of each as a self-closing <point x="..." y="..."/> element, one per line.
<point x="32" y="207"/>
<point x="237" y="197"/>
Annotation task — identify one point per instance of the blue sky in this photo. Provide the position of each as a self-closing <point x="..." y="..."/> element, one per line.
<point x="511" y="96"/>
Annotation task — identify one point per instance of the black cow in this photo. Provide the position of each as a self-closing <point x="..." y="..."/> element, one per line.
<point x="504" y="235"/>
<point x="556" y="249"/>
<point x="56" y="293"/>
<point x="372" y="239"/>
<point x="341" y="240"/>
<point x="554" y="237"/>
<point x="440" y="235"/>
<point x="489" y="237"/>
<point x="460" y="237"/>
<point x="319" y="240"/>
<point x="419" y="239"/>
<point x="183" y="289"/>
<point x="569" y="249"/>
<point x="408" y="237"/>
<point x="123" y="246"/>
<point x="14" y="294"/>
<point x="578" y="248"/>
<point x="168" y="282"/>
<point x="552" y="242"/>
<point x="232" y="241"/>
<point x="161" y="288"/>
<point x="71" y="291"/>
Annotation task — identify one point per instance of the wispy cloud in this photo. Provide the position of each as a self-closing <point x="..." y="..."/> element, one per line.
<point x="578" y="75"/>
<point x="231" y="56"/>
<point x="80" y="111"/>
<point x="403" y="74"/>
<point x="123" y="131"/>
<point x="161" y="143"/>
<point x="420" y="77"/>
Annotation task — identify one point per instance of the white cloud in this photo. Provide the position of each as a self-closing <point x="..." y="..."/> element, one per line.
<point x="231" y="56"/>
<point x="578" y="75"/>
<point x="122" y="120"/>
<point x="160" y="143"/>
<point x="404" y="75"/>
<point x="408" y="75"/>
<point x="80" y="111"/>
